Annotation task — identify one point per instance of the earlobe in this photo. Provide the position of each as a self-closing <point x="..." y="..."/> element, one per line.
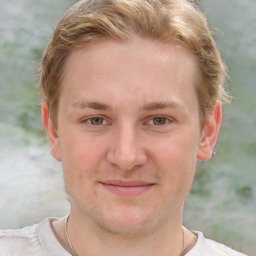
<point x="210" y="133"/>
<point x="51" y="131"/>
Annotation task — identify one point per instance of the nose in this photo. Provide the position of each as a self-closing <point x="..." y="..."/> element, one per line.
<point x="126" y="150"/>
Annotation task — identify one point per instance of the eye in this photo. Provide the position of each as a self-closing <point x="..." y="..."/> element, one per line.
<point x="94" y="121"/>
<point x="159" y="120"/>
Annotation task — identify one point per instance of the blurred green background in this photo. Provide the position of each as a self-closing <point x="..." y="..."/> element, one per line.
<point x="222" y="202"/>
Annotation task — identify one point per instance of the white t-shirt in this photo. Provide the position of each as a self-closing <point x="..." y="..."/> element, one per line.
<point x="39" y="240"/>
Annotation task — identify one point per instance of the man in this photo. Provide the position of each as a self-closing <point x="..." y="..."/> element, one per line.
<point x="132" y="97"/>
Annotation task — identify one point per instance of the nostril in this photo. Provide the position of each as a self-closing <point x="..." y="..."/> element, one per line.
<point x="127" y="160"/>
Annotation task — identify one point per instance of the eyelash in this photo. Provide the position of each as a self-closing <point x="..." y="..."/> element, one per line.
<point x="89" y="120"/>
<point x="166" y="120"/>
<point x="150" y="121"/>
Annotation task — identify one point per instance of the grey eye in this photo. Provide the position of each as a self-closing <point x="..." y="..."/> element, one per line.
<point x="159" y="120"/>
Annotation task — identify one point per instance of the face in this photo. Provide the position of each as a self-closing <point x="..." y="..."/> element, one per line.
<point x="129" y="133"/>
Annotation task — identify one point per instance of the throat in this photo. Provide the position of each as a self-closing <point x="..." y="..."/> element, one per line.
<point x="179" y="245"/>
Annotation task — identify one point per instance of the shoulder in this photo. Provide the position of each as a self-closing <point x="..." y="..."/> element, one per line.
<point x="209" y="247"/>
<point x="24" y="241"/>
<point x="15" y="241"/>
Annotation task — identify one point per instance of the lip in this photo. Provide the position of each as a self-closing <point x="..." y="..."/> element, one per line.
<point x="127" y="187"/>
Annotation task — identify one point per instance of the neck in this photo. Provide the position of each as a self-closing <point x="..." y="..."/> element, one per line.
<point x="88" y="239"/>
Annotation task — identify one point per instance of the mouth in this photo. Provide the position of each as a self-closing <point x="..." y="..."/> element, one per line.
<point x="127" y="188"/>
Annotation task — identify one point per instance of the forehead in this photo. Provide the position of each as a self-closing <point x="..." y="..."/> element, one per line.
<point x="142" y="67"/>
<point x="109" y="52"/>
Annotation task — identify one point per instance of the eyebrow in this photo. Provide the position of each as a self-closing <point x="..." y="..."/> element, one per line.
<point x="91" y="104"/>
<point x="83" y="104"/>
<point x="163" y="105"/>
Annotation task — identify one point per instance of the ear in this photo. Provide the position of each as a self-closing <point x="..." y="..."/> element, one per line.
<point x="210" y="133"/>
<point x="51" y="131"/>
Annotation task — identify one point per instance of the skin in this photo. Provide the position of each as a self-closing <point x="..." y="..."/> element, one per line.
<point x="129" y="115"/>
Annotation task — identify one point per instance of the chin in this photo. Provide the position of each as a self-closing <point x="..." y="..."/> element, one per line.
<point x="127" y="223"/>
<point x="128" y="230"/>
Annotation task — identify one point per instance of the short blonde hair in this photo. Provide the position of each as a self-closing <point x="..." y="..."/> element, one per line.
<point x="178" y="21"/>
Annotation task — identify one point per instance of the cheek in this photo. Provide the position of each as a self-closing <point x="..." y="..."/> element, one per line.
<point x="175" y="160"/>
<point x="175" y="152"/>
<point x="79" y="147"/>
<point x="81" y="157"/>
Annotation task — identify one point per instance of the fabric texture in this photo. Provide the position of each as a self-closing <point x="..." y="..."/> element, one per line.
<point x="40" y="240"/>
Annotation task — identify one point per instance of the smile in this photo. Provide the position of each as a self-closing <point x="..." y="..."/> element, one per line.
<point x="127" y="188"/>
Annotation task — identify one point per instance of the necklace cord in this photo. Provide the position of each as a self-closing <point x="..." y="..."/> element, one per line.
<point x="69" y="243"/>
<point x="183" y="242"/>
